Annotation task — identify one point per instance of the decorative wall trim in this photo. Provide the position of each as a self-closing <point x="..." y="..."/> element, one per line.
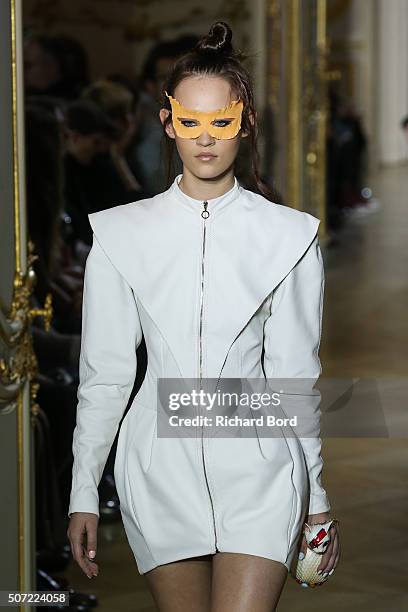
<point x="18" y="364"/>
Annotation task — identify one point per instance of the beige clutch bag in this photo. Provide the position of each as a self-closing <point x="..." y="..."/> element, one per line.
<point x="318" y="538"/>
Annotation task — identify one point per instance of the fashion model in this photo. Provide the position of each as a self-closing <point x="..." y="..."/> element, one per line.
<point x="224" y="284"/>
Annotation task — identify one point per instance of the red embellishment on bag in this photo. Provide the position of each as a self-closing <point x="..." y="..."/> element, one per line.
<point x="318" y="538"/>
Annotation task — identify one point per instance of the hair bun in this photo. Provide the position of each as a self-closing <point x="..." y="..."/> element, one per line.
<point x="217" y="41"/>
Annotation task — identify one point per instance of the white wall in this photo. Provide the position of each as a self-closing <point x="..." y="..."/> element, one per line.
<point x="392" y="79"/>
<point x="370" y="46"/>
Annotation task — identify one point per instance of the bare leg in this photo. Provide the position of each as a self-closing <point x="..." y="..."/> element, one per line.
<point x="182" y="585"/>
<point x="246" y="583"/>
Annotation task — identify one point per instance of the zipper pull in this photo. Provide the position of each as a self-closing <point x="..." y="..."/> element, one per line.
<point x="205" y="213"/>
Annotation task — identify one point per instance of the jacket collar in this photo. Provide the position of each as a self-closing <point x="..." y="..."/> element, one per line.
<point x="214" y="205"/>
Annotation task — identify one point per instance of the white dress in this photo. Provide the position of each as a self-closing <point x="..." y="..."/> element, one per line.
<point x="235" y="295"/>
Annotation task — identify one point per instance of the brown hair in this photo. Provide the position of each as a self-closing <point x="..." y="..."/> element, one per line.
<point x="113" y="98"/>
<point x="214" y="55"/>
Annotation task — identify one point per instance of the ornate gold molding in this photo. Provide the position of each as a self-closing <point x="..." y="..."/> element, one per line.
<point x="18" y="364"/>
<point x="21" y="363"/>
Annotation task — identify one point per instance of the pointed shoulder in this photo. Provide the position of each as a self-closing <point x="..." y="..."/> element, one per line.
<point x="288" y="232"/>
<point x="106" y="222"/>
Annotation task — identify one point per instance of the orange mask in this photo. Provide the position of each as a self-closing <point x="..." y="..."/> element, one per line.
<point x="223" y="123"/>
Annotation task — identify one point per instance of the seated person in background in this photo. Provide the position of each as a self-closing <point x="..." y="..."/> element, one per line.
<point x="57" y="350"/>
<point x="96" y="175"/>
<point x="119" y="99"/>
<point x="55" y="65"/>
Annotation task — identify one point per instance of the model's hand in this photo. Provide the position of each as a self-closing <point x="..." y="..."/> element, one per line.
<point x="84" y="524"/>
<point x="331" y="557"/>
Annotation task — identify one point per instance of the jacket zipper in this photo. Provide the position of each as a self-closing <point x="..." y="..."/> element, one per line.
<point x="205" y="214"/>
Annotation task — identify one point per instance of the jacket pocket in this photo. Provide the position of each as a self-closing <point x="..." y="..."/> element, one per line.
<point x="142" y="436"/>
<point x="121" y="468"/>
<point x="137" y="457"/>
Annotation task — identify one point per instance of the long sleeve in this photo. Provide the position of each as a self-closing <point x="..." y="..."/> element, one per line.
<point x="292" y="341"/>
<point x="111" y="333"/>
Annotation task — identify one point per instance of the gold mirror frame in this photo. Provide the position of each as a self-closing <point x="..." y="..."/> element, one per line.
<point x="18" y="364"/>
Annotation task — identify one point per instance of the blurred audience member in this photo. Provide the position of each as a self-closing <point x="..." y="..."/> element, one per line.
<point x="149" y="151"/>
<point x="54" y="65"/>
<point x="56" y="268"/>
<point x="404" y="126"/>
<point x="120" y="102"/>
<point x="346" y="151"/>
<point x="57" y="350"/>
<point x="96" y="174"/>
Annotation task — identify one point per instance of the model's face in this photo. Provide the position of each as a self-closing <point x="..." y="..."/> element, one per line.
<point x="205" y="155"/>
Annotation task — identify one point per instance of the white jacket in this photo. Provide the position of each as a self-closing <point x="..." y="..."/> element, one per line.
<point x="236" y="295"/>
